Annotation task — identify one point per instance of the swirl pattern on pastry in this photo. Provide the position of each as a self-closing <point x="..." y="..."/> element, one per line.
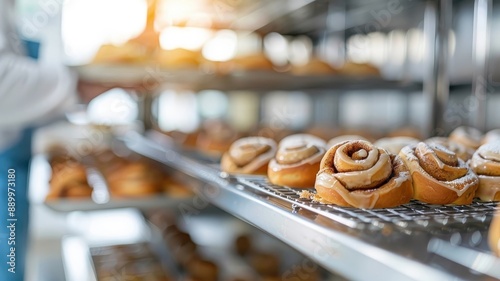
<point x="394" y="144"/>
<point x="486" y="164"/>
<point x="439" y="176"/>
<point x="467" y="136"/>
<point x="462" y="152"/>
<point x="249" y="155"/>
<point x="358" y="174"/>
<point x="297" y="161"/>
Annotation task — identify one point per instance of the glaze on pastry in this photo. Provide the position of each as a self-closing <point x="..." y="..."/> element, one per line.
<point x="358" y="174"/>
<point x="249" y="155"/>
<point x="297" y="161"/>
<point x="486" y="164"/>
<point x="467" y="136"/>
<point x="439" y="176"/>
<point x="460" y="150"/>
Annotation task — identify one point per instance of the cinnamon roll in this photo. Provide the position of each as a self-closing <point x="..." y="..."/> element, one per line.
<point x="69" y="180"/>
<point x="358" y="174"/>
<point x="486" y="164"/>
<point x="249" y="155"/>
<point x="394" y="144"/>
<point x="439" y="176"/>
<point x="467" y="136"/>
<point x="460" y="150"/>
<point x="297" y="161"/>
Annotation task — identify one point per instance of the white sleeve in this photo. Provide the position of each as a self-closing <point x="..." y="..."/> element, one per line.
<point x="31" y="92"/>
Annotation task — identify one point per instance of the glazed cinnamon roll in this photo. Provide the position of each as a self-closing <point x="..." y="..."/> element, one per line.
<point x="297" y="161"/>
<point x="358" y="174"/>
<point x="439" y="176"/>
<point x="460" y="150"/>
<point x="486" y="164"/>
<point x="249" y="155"/>
<point x="394" y="144"/>
<point x="467" y="136"/>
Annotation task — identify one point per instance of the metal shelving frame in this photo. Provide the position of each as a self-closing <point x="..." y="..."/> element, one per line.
<point x="412" y="242"/>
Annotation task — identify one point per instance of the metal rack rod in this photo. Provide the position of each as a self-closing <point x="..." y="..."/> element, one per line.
<point x="481" y="33"/>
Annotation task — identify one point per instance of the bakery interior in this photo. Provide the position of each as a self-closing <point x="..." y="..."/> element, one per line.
<point x="137" y="185"/>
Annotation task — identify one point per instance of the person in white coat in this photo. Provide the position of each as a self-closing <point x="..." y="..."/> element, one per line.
<point x="31" y="92"/>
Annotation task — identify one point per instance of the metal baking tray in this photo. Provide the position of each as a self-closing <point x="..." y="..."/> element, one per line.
<point x="238" y="80"/>
<point x="40" y="173"/>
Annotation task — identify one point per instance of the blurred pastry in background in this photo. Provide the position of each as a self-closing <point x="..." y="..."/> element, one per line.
<point x="494" y="234"/>
<point x="366" y="133"/>
<point x="243" y="245"/>
<point x="266" y="264"/>
<point x="215" y="137"/>
<point x="254" y="62"/>
<point x="343" y="138"/>
<point x="128" y="53"/>
<point x="297" y="161"/>
<point x="271" y="132"/>
<point x="358" y="69"/>
<point x="461" y="151"/>
<point x="486" y="164"/>
<point x="176" y="189"/>
<point x="133" y="179"/>
<point x="203" y="270"/>
<point x="491" y="136"/>
<point x="69" y="180"/>
<point x="467" y="136"/>
<point x="178" y="59"/>
<point x="314" y="66"/>
<point x="250" y="155"/>
<point x="362" y="175"/>
<point x="395" y="144"/>
<point x="323" y="132"/>
<point x="439" y="175"/>
<point x="405" y="132"/>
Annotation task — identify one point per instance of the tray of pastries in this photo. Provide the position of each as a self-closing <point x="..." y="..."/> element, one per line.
<point x="104" y="180"/>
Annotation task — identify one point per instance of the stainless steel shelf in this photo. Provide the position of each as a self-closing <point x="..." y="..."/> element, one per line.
<point x="155" y="76"/>
<point x="404" y="243"/>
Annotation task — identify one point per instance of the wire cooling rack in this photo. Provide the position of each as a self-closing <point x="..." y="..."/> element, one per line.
<point x="410" y="214"/>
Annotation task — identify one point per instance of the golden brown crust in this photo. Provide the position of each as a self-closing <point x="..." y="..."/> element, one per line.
<point x="346" y="172"/>
<point x="249" y="155"/>
<point x="302" y="176"/>
<point x="297" y="161"/>
<point x="458" y="182"/>
<point x="494" y="234"/>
